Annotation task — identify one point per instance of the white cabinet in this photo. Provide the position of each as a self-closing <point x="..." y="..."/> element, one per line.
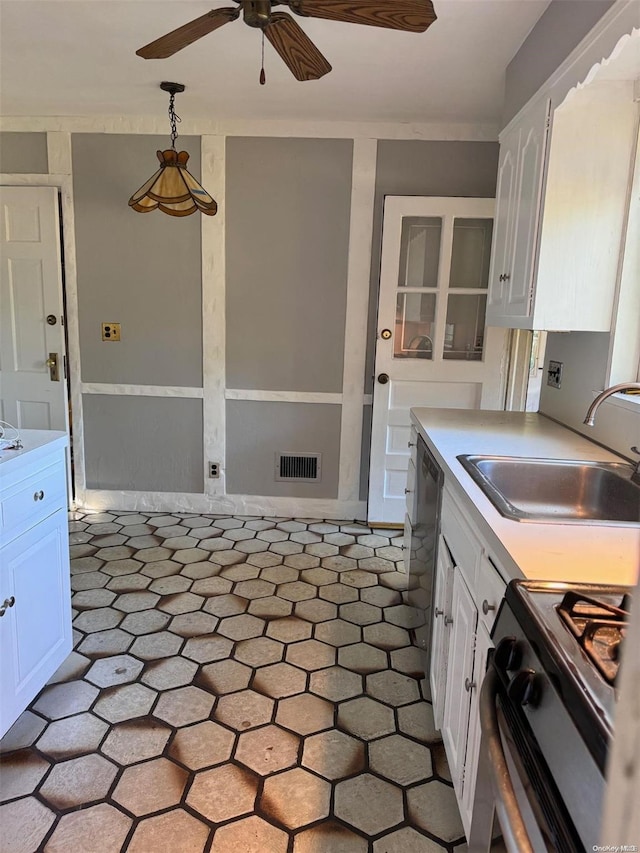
<point x="35" y="595"/>
<point x="468" y="592"/>
<point x="519" y="193"/>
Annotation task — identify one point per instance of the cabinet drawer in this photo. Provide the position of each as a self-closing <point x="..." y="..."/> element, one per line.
<point x="461" y="540"/>
<point x="490" y="589"/>
<point x="33" y="499"/>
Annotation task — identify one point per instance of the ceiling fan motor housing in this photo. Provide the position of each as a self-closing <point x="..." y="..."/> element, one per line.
<point x="257" y="13"/>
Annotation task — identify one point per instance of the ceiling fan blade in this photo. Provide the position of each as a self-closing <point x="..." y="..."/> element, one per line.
<point x="413" y="16"/>
<point x="296" y="49"/>
<point x="174" y="41"/>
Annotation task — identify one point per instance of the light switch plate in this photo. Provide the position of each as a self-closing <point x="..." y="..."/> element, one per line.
<point x="554" y="374"/>
<point x="111" y="331"/>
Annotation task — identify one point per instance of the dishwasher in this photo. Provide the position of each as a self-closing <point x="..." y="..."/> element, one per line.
<point x="425" y="527"/>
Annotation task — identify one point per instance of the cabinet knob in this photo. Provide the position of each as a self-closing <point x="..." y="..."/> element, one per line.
<point x="438" y="612"/>
<point x="6" y="604"/>
<point x="413" y="444"/>
<point x="38" y="496"/>
<point x="486" y="607"/>
<point x="469" y="685"/>
<point x="448" y="620"/>
<point x="408" y="491"/>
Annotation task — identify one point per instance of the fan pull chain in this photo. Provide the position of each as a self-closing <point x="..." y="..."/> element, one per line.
<point x="173" y="119"/>
<point x="263" y="76"/>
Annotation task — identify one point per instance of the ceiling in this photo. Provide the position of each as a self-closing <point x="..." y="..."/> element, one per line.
<point x="77" y="58"/>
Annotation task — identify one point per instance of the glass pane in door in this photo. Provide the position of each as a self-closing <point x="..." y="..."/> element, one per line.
<point x="471" y="253"/>
<point x="464" y="329"/>
<point x="420" y="251"/>
<point x="415" y="315"/>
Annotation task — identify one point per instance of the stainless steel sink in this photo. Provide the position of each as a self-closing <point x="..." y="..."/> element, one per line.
<point x="553" y="490"/>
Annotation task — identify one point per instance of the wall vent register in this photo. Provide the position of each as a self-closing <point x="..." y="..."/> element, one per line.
<point x="298" y="467"/>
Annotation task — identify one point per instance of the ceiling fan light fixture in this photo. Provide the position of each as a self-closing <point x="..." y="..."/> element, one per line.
<point x="173" y="189"/>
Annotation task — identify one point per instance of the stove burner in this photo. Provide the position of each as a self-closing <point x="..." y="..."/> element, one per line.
<point x="599" y="628"/>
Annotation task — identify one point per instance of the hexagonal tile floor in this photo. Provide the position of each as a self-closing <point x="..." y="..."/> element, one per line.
<point x="238" y="685"/>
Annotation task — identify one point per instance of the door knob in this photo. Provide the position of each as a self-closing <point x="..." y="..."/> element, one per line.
<point x="383" y="378"/>
<point x="52" y="364"/>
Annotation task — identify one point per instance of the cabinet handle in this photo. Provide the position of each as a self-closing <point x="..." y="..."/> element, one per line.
<point x="438" y="612"/>
<point x="413" y="444"/>
<point x="448" y="620"/>
<point x="38" y="496"/>
<point x="6" y="604"/>
<point x="469" y="685"/>
<point x="486" y="607"/>
<point x="408" y="491"/>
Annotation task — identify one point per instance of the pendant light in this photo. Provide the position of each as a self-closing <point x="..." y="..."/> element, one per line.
<point x="173" y="189"/>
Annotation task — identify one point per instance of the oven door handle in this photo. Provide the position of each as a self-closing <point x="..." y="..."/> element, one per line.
<point x="513" y="828"/>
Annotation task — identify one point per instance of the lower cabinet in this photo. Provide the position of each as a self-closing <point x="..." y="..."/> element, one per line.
<point x="35" y="603"/>
<point x="469" y="589"/>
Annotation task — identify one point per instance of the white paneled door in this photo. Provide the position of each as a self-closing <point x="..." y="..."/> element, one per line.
<point x="32" y="352"/>
<point x="432" y="346"/>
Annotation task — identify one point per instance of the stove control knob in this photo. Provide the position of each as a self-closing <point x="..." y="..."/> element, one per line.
<point x="525" y="688"/>
<point x="508" y="654"/>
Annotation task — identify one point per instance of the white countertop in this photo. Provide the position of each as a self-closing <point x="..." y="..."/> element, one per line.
<point x="33" y="440"/>
<point x="538" y="551"/>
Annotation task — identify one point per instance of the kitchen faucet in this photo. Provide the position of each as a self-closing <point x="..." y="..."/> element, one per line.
<point x="590" y="418"/>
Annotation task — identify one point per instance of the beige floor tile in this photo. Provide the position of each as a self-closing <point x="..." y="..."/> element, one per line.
<point x="99" y="829"/>
<point x="211" y="586"/>
<point x="110" y="671"/>
<point x="146" y="622"/>
<point x="271" y="607"/>
<point x="392" y="687"/>
<point x="79" y="781"/>
<point x="275" y="573"/>
<point x="302" y="561"/>
<point x="267" y="750"/>
<point x="359" y="578"/>
<point x="244" y="710"/>
<point x="317" y="577"/>
<point x="181" y="602"/>
<point x="297" y="591"/>
<point x="184" y="705"/>
<point x="400" y="760"/>
<point x="334" y="755"/>
<point x="125" y="703"/>
<point x="417" y="721"/>
<point x="62" y="700"/>
<point x="203" y="745"/>
<point x="295" y="798"/>
<point x="150" y="787"/>
<point x="243" y="627"/>
<point x="193" y="624"/>
<point x="207" y="648"/>
<point x="406" y="840"/>
<point x="337" y="632"/>
<point x="103" y="644"/>
<point x="169" y="673"/>
<point x="311" y="655"/>
<point x="223" y="793"/>
<point x="256" y="588"/>
<point x="173" y="831"/>
<point x="329" y="838"/>
<point x="380" y="597"/>
<point x="368" y="803"/>
<point x="289" y="630"/>
<point x="316" y="610"/>
<point x="249" y="835"/>
<point x="162" y="644"/>
<point x="336" y="684"/>
<point x="24" y="732"/>
<point x="362" y="658"/>
<point x="366" y="718"/>
<point x="386" y="636"/>
<point x="170" y="585"/>
<point x="72" y="736"/>
<point x="433" y="807"/>
<point x="259" y="651"/>
<point x="24" y="824"/>
<point x="338" y="593"/>
<point x="136" y="740"/>
<point x="408" y="660"/>
<point x="21" y="773"/>
<point x="226" y="676"/>
<point x="280" y="680"/>
<point x="305" y="714"/>
<point x="361" y="613"/>
<point x="226" y="605"/>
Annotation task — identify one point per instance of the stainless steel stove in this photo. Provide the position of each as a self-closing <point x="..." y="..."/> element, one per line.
<point x="547" y="710"/>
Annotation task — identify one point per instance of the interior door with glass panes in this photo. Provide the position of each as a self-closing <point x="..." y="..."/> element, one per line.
<point x="432" y="347"/>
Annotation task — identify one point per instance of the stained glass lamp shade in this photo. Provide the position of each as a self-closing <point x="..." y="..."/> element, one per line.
<point x="173" y="189"/>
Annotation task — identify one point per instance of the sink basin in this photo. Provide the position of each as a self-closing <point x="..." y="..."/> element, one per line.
<point x="567" y="492"/>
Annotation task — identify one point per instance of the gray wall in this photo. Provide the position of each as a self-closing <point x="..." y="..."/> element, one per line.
<point x="561" y="28"/>
<point x="288" y="207"/>
<point x="23" y="153"/>
<point x="256" y="431"/>
<point x="142" y="270"/>
<point x="143" y="443"/>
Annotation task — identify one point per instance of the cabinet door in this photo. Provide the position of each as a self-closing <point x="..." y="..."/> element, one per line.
<point x="528" y="200"/>
<point x="501" y="258"/>
<point x="441" y="630"/>
<point x="8" y="712"/>
<point x="459" y="679"/>
<point x="483" y="645"/>
<point x="39" y="623"/>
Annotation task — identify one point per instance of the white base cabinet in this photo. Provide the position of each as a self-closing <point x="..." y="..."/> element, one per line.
<point x="469" y="589"/>
<point x="35" y="595"/>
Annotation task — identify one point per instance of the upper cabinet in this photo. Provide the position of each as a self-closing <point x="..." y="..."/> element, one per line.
<point x="564" y="176"/>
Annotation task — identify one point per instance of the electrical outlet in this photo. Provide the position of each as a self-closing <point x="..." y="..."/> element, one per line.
<point x="111" y="331"/>
<point x="214" y="470"/>
<point x="554" y="374"/>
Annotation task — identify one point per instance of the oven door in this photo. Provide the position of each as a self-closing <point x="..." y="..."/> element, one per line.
<point x="527" y="802"/>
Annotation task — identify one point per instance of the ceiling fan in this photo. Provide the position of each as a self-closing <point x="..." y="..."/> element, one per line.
<point x="299" y="53"/>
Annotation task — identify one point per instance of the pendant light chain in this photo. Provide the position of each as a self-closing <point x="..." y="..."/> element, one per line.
<point x="173" y="119"/>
